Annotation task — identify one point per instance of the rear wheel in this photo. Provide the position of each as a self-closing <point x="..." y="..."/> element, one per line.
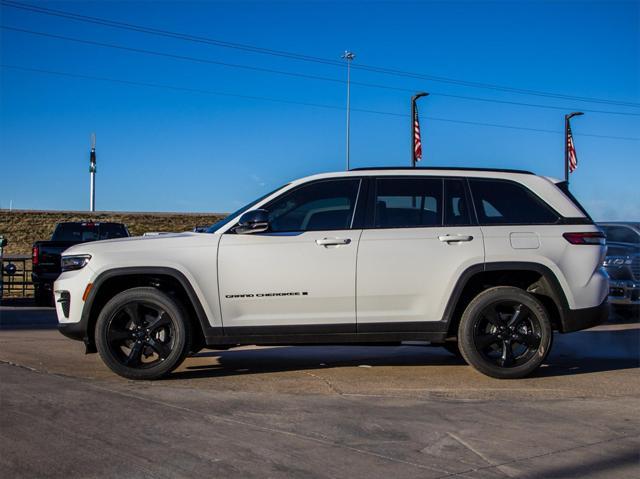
<point x="505" y="333"/>
<point x="142" y="333"/>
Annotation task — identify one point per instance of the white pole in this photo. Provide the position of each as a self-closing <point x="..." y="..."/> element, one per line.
<point x="92" y="192"/>
<point x="92" y="174"/>
<point x="349" y="56"/>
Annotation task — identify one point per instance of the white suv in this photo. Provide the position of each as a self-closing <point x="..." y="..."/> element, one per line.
<point x="486" y="263"/>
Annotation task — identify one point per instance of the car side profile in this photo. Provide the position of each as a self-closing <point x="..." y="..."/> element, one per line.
<point x="487" y="263"/>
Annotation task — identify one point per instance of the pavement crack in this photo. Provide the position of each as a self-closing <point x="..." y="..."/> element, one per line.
<point x="478" y="453"/>
<point x="329" y="384"/>
<point x="536" y="456"/>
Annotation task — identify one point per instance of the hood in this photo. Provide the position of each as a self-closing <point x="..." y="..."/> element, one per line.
<point x="133" y="243"/>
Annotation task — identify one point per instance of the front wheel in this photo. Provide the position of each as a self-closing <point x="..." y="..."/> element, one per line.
<point x="505" y="333"/>
<point x="143" y="333"/>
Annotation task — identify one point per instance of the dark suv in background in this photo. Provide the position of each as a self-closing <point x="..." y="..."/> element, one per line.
<point x="46" y="254"/>
<point x="623" y="265"/>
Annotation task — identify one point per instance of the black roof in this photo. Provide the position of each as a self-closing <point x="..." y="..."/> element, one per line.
<point x="453" y="168"/>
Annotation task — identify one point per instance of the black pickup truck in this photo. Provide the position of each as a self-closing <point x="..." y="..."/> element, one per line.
<point x="46" y="254"/>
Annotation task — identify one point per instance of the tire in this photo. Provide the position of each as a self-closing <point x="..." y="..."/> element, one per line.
<point x="505" y="333"/>
<point x="142" y="333"/>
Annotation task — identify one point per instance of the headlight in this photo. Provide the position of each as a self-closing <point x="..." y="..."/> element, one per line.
<point x="617" y="261"/>
<point x="70" y="263"/>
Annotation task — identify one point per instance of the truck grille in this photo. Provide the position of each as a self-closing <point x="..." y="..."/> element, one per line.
<point x="635" y="268"/>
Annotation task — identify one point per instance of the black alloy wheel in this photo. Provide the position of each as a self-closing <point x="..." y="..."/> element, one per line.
<point x="143" y="333"/>
<point x="505" y="333"/>
<point x="140" y="334"/>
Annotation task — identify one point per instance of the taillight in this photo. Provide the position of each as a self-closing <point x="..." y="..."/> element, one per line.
<point x="592" y="238"/>
<point x="34" y="255"/>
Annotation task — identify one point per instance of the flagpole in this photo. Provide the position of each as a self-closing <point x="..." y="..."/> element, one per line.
<point x="566" y="149"/>
<point x="566" y="143"/>
<point x="413" y="116"/>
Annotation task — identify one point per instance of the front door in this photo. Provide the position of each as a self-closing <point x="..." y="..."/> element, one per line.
<point x="421" y="240"/>
<point x="299" y="276"/>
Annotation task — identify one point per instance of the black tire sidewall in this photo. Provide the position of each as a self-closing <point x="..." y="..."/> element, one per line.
<point x="179" y="319"/>
<point x="466" y="333"/>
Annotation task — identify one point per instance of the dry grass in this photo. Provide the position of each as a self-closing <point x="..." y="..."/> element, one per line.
<point x="23" y="227"/>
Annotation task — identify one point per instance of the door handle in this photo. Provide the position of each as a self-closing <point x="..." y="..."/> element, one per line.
<point x="455" y="238"/>
<point x="332" y="241"/>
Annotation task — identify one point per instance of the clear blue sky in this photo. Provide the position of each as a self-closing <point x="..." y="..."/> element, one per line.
<point x="172" y="150"/>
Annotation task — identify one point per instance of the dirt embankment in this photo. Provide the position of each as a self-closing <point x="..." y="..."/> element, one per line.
<point x="22" y="228"/>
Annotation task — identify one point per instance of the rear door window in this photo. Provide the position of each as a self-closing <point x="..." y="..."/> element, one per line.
<point x="508" y="203"/>
<point x="408" y="202"/>
<point x="456" y="209"/>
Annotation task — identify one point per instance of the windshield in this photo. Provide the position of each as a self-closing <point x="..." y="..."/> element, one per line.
<point x="216" y="226"/>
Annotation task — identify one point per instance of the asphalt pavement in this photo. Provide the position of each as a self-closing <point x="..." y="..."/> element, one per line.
<point x="318" y="411"/>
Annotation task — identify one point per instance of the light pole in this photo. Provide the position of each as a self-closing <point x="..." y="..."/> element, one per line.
<point x="92" y="174"/>
<point x="567" y="134"/>
<point x="415" y="128"/>
<point x="348" y="56"/>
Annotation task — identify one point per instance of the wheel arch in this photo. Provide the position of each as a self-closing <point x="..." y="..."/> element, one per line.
<point x="534" y="278"/>
<point x="169" y="280"/>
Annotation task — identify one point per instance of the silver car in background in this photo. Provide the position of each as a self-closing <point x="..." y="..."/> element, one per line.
<point x="623" y="265"/>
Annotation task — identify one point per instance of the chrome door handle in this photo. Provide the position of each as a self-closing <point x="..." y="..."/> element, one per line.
<point x="332" y="241"/>
<point x="455" y="238"/>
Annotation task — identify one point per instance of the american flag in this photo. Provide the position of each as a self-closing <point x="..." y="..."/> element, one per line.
<point x="417" y="143"/>
<point x="571" y="151"/>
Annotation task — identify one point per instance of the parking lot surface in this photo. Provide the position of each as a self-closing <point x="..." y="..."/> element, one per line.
<point x="321" y="411"/>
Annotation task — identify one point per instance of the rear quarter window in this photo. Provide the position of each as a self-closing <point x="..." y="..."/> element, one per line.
<point x="502" y="202"/>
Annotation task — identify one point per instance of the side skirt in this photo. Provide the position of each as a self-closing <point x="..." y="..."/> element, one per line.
<point x="435" y="332"/>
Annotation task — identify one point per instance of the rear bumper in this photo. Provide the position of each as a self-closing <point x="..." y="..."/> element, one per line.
<point x="577" y="319"/>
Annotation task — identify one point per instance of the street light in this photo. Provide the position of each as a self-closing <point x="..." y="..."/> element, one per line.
<point x="413" y="125"/>
<point x="566" y="142"/>
<point x="348" y="56"/>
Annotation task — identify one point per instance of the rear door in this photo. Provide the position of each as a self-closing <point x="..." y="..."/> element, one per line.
<point x="299" y="277"/>
<point x="421" y="236"/>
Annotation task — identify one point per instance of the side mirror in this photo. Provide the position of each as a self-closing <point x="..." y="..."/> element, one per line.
<point x="3" y="242"/>
<point x="255" y="221"/>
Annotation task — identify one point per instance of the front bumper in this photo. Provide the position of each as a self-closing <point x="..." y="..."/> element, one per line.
<point x="577" y="319"/>
<point x="77" y="331"/>
<point x="624" y="292"/>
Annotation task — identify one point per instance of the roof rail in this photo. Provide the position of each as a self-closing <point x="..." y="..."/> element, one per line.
<point x="454" y="168"/>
